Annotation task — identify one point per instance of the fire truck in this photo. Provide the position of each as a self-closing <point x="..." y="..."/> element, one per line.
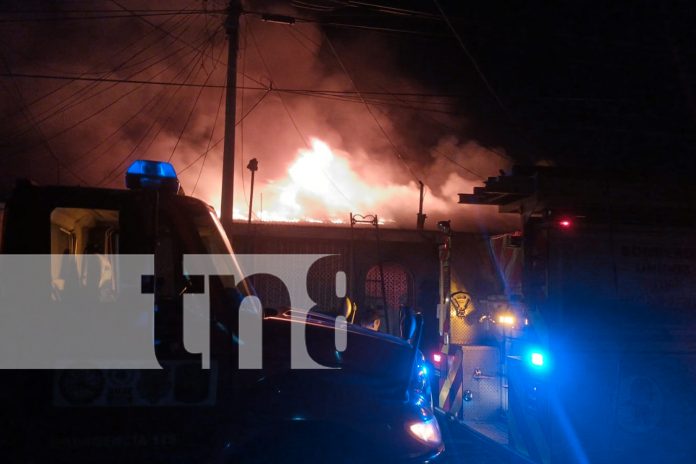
<point x="587" y="352"/>
<point x="373" y="404"/>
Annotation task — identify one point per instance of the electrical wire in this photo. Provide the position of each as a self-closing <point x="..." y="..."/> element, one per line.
<point x="427" y="116"/>
<point x="375" y="102"/>
<point x="362" y="27"/>
<point x="84" y="119"/>
<point x="193" y="107"/>
<point x="287" y="111"/>
<point x="111" y="175"/>
<point x="456" y="163"/>
<point x="326" y="92"/>
<point x="210" y="139"/>
<point x="152" y="103"/>
<point x="79" y="158"/>
<point x="396" y="150"/>
<point x="241" y="125"/>
<point x="201" y="53"/>
<point x="110" y="70"/>
<point x="95" y="11"/>
<point x="180" y="39"/>
<point x="122" y="81"/>
<point x="392" y="10"/>
<point x="44" y="140"/>
<point x="473" y="61"/>
<point x="219" y="141"/>
<point x="68" y="105"/>
<point x="67" y="102"/>
<point x="301" y="43"/>
<point x="100" y="17"/>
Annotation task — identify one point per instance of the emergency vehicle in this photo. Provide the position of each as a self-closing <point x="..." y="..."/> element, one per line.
<point x="587" y="353"/>
<point x="373" y="406"/>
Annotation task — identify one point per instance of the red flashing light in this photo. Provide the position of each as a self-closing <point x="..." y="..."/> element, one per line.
<point x="437" y="358"/>
<point x="565" y="223"/>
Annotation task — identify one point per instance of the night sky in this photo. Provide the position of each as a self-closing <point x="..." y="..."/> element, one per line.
<point x="592" y="84"/>
<point x="448" y="99"/>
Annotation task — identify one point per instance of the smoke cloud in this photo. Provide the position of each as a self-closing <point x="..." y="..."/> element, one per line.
<point x="297" y="112"/>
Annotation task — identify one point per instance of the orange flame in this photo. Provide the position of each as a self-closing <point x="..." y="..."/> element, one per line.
<point x="320" y="187"/>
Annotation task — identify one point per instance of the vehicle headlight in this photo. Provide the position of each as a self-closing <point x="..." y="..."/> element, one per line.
<point x="427" y="432"/>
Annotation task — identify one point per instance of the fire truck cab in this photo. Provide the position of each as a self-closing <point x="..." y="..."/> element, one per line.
<point x="586" y="354"/>
<point x="372" y="403"/>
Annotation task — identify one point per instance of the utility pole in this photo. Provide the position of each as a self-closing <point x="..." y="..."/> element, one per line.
<point x="234" y="10"/>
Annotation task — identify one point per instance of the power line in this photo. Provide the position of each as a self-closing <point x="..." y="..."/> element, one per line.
<point x="112" y="174"/>
<point x="392" y="10"/>
<point x="452" y="129"/>
<point x="180" y="39"/>
<point x="210" y="139"/>
<point x="201" y="58"/>
<point x="483" y="77"/>
<point x="375" y="102"/>
<point x="110" y="70"/>
<point x="155" y="101"/>
<point x="149" y="105"/>
<point x="100" y="17"/>
<point x="386" y="30"/>
<point x="346" y="96"/>
<point x="287" y="111"/>
<point x="120" y="81"/>
<point x="30" y="117"/>
<point x="363" y="27"/>
<point x="397" y="152"/>
<point x="67" y="105"/>
<point x="306" y="37"/>
<point x="456" y="163"/>
<point x="270" y="76"/>
<point x="241" y="126"/>
<point x="193" y="107"/>
<point x="95" y="11"/>
<point x="327" y="92"/>
<point x="473" y="61"/>
<point x="90" y="116"/>
<point x="301" y="43"/>
<point x="219" y="141"/>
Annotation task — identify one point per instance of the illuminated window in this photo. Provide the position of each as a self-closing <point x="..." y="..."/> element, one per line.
<point x="83" y="242"/>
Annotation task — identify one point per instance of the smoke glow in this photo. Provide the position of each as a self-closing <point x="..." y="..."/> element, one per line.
<point x="323" y="153"/>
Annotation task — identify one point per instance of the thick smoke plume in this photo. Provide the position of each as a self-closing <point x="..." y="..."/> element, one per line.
<point x="324" y="150"/>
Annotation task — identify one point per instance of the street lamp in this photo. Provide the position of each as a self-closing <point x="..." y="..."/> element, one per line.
<point x="253" y="166"/>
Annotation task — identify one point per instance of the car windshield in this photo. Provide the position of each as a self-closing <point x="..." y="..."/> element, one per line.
<point x="211" y="233"/>
<point x="198" y="231"/>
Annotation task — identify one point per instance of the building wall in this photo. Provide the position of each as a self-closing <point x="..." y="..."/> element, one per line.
<point x="358" y="250"/>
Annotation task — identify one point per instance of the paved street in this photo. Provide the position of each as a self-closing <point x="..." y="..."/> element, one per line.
<point x="466" y="447"/>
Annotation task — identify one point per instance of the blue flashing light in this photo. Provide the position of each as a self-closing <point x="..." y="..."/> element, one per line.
<point x="155" y="169"/>
<point x="156" y="175"/>
<point x="537" y="359"/>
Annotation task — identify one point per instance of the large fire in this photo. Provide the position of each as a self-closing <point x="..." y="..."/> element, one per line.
<point x="320" y="186"/>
